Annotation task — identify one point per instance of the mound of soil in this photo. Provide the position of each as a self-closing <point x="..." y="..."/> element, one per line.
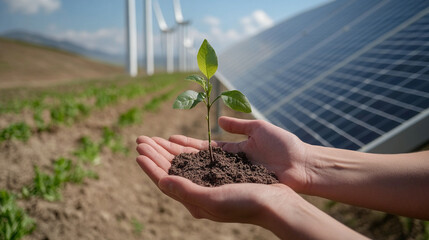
<point x="226" y="168"/>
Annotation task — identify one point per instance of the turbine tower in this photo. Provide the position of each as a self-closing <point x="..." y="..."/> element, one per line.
<point x="166" y="37"/>
<point x="182" y="34"/>
<point x="149" y="38"/>
<point x="190" y="52"/>
<point x="131" y="36"/>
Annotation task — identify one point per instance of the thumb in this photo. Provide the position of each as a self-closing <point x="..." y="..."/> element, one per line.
<point x="183" y="190"/>
<point x="235" y="125"/>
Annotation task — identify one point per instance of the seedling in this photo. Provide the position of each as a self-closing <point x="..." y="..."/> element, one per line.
<point x="207" y="63"/>
<point x="20" y="131"/>
<point x="88" y="151"/>
<point x="132" y="116"/>
<point x="49" y="186"/>
<point x="14" y="222"/>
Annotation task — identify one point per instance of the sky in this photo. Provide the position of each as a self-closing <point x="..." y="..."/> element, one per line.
<point x="100" y="25"/>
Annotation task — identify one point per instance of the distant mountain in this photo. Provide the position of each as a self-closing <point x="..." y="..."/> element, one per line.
<point x="39" y="39"/>
<point x="119" y="59"/>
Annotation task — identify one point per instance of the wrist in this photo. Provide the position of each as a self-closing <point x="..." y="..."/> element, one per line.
<point x="315" y="163"/>
<point x="330" y="170"/>
<point x="276" y="212"/>
<point x="289" y="216"/>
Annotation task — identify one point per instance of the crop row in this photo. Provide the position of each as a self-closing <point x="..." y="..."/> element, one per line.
<point x="66" y="108"/>
<point x="134" y="114"/>
<point x="15" y="222"/>
<point x="52" y="109"/>
<point x="101" y="92"/>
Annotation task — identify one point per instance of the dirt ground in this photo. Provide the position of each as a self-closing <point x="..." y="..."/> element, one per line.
<point x="23" y="64"/>
<point x="109" y="207"/>
<point x="123" y="203"/>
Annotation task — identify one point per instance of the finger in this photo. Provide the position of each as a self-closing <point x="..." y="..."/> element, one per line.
<point x="184" y="190"/>
<point x="141" y="139"/>
<point x="174" y="148"/>
<point x="154" y="172"/>
<point x="234" y="147"/>
<point x="148" y="151"/>
<point x="158" y="148"/>
<point x="190" y="142"/>
<point x="199" y="213"/>
<point x="235" y="125"/>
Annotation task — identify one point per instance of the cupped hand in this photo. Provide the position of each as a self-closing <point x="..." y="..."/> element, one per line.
<point x="277" y="149"/>
<point x="245" y="203"/>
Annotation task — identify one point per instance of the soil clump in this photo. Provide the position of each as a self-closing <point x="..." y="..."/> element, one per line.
<point x="226" y="168"/>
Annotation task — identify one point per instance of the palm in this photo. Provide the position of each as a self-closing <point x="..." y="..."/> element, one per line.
<point x="276" y="149"/>
<point x="227" y="203"/>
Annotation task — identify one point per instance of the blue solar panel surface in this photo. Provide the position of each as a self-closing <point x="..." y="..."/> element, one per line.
<point x="341" y="75"/>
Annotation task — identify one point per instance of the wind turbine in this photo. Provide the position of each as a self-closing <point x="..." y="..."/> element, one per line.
<point x="190" y="51"/>
<point x="182" y="34"/>
<point x="166" y="37"/>
<point x="149" y="38"/>
<point x="131" y="36"/>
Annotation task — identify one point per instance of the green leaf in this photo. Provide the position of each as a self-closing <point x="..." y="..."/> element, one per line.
<point x="236" y="101"/>
<point x="188" y="100"/>
<point x="198" y="79"/>
<point x="207" y="59"/>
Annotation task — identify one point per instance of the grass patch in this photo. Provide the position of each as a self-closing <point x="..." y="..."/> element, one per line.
<point x="137" y="226"/>
<point x="14" y="222"/>
<point x="19" y="131"/>
<point x="48" y="186"/>
<point x="113" y="140"/>
<point x="68" y="112"/>
<point x="88" y="151"/>
<point x="132" y="116"/>
<point x="154" y="104"/>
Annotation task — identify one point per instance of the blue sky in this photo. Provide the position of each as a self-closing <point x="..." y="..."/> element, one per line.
<point x="100" y="24"/>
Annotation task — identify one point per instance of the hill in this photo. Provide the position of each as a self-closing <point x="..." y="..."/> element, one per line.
<point x="42" y="40"/>
<point x="30" y="65"/>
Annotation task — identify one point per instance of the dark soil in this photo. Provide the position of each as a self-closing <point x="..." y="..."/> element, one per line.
<point x="225" y="169"/>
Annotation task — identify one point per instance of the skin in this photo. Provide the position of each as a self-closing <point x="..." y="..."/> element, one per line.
<point x="391" y="183"/>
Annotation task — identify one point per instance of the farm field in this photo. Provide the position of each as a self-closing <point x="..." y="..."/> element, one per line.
<point x="67" y="155"/>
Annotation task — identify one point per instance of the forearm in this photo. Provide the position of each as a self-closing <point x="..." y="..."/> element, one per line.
<point x="396" y="183"/>
<point x="291" y="217"/>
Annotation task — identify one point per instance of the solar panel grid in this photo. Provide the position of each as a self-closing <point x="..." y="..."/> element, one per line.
<point x="392" y="106"/>
<point x="255" y="50"/>
<point x="311" y="71"/>
<point x="306" y="41"/>
<point x="359" y="101"/>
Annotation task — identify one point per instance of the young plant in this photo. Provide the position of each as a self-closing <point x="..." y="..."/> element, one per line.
<point x="20" y="131"/>
<point x="207" y="63"/>
<point x="14" y="222"/>
<point x="88" y="151"/>
<point x="132" y="116"/>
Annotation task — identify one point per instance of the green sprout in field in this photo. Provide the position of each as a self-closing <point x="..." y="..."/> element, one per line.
<point x="132" y="116"/>
<point x="48" y="186"/>
<point x="14" y="222"/>
<point x="207" y="63"/>
<point x="88" y="151"/>
<point x="20" y="131"/>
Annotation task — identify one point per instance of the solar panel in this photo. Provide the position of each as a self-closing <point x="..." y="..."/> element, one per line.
<point x="345" y="75"/>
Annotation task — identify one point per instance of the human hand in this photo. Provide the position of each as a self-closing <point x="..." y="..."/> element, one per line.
<point x="243" y="203"/>
<point x="277" y="149"/>
<point x="275" y="207"/>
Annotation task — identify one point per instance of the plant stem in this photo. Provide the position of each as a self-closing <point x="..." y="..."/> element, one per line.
<point x="209" y="133"/>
